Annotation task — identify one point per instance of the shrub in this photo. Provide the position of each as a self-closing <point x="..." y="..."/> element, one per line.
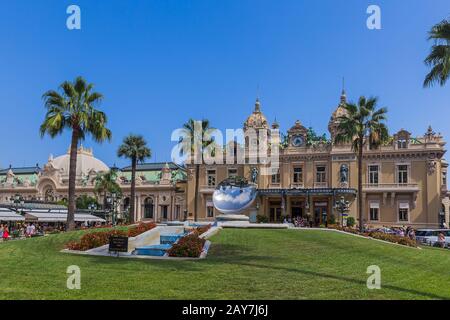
<point x="188" y="246"/>
<point x="350" y="222"/>
<point x="140" y="228"/>
<point x="332" y="219"/>
<point x="262" y="219"/>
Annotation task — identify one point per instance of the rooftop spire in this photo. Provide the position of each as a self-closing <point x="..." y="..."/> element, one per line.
<point x="257" y="105"/>
<point x="343" y="93"/>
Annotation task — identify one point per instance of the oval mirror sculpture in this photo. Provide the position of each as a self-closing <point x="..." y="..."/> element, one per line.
<point x="234" y="195"/>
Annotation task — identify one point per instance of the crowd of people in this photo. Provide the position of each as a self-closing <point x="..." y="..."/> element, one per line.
<point x="20" y="230"/>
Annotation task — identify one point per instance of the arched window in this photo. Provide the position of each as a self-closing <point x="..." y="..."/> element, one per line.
<point x="148" y="208"/>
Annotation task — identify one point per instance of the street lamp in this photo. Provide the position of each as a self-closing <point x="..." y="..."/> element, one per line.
<point x="16" y="200"/>
<point x="342" y="206"/>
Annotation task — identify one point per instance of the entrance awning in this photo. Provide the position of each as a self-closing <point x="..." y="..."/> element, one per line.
<point x="306" y="192"/>
<point x="9" y="215"/>
<point x="60" y="217"/>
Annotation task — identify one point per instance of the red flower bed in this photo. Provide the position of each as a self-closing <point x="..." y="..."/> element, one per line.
<point x="201" y="230"/>
<point x="379" y="235"/>
<point x="188" y="246"/>
<point x="100" y="238"/>
<point x="140" y="228"/>
<point x="93" y="240"/>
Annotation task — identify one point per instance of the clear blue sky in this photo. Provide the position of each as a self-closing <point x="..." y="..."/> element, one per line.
<point x="159" y="62"/>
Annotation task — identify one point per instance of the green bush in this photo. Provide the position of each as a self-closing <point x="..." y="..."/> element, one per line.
<point x="332" y="219"/>
<point x="350" y="222"/>
<point x="262" y="219"/>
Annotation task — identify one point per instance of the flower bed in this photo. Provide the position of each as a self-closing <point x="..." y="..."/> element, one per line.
<point x="379" y="235"/>
<point x="188" y="246"/>
<point x="393" y="238"/>
<point x="100" y="238"/>
<point x="201" y="230"/>
<point x="140" y="228"/>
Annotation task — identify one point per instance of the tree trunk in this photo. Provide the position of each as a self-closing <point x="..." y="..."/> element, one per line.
<point x="72" y="177"/>
<point x="197" y="169"/>
<point x="133" y="189"/>
<point x="360" y="178"/>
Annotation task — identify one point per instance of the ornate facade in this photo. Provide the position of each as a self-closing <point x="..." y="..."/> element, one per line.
<point x="405" y="180"/>
<point x="159" y="186"/>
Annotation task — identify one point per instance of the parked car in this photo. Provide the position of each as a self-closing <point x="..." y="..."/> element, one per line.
<point x="430" y="236"/>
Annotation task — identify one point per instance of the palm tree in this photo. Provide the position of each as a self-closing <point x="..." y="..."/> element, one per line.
<point x="74" y="109"/>
<point x="134" y="147"/>
<point x="189" y="145"/>
<point x="439" y="57"/>
<point x="106" y="182"/>
<point x="363" y="123"/>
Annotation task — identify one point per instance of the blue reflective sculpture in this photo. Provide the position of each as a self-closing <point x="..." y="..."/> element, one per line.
<point x="234" y="195"/>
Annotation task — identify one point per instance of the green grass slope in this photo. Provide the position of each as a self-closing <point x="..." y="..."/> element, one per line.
<point x="242" y="264"/>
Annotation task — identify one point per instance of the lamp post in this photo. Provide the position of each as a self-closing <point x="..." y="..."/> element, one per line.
<point x="16" y="200"/>
<point x="342" y="206"/>
<point x="441" y="218"/>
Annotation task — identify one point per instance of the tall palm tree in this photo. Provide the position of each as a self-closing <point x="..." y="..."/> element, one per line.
<point x="439" y="57"/>
<point x="363" y="123"/>
<point x="134" y="147"/>
<point x="188" y="145"/>
<point x="74" y="108"/>
<point x="106" y="182"/>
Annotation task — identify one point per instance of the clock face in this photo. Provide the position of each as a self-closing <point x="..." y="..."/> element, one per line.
<point x="297" y="141"/>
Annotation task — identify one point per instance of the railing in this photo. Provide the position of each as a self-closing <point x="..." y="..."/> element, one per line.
<point x="391" y="186"/>
<point x="207" y="188"/>
<point x="320" y="184"/>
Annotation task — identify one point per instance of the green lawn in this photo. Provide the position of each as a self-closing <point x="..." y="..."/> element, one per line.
<point x="242" y="264"/>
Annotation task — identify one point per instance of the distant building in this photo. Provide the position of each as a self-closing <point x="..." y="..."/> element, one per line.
<point x="405" y="180"/>
<point x="159" y="186"/>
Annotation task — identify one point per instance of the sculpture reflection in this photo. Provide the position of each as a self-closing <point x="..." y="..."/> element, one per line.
<point x="234" y="195"/>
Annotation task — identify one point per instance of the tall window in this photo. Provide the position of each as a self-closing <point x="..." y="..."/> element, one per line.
<point x="444" y="178"/>
<point x="232" y="173"/>
<point x="403" y="212"/>
<point x="374" y="211"/>
<point x="148" y="208"/>
<point x="373" y="174"/>
<point x="210" y="212"/>
<point x="321" y="176"/>
<point x="402" y="174"/>
<point x="298" y="175"/>
<point x="211" y="176"/>
<point x="276" y="177"/>
<point x="402" y="144"/>
<point x="177" y="212"/>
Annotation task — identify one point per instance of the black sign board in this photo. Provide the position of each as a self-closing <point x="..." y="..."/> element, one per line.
<point x="118" y="244"/>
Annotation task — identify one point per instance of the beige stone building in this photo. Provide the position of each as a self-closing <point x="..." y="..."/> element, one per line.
<point x="160" y="187"/>
<point x="405" y="180"/>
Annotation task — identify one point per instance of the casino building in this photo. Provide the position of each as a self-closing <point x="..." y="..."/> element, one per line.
<point x="160" y="187"/>
<point x="405" y="180"/>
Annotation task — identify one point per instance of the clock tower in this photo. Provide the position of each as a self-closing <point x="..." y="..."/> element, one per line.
<point x="297" y="135"/>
